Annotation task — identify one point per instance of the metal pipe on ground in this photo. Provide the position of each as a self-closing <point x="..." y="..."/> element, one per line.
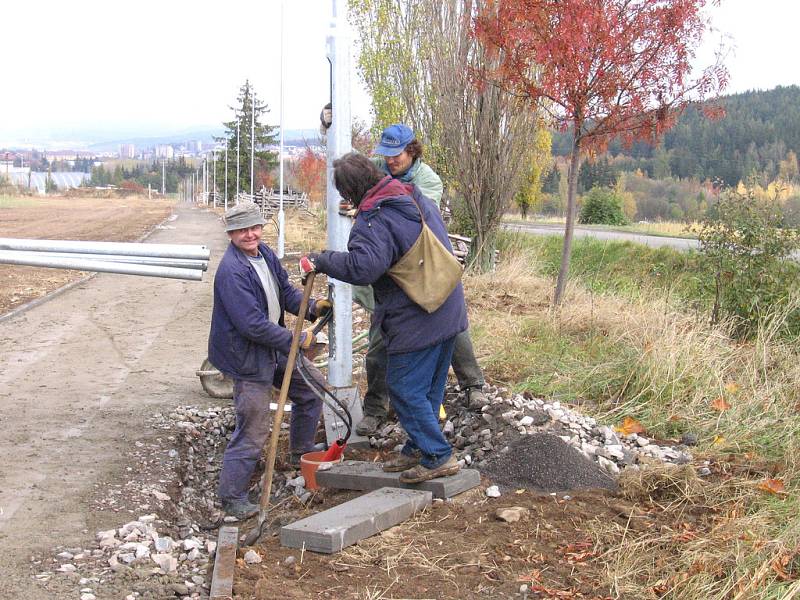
<point x="181" y="263"/>
<point x="194" y="252"/>
<point x="8" y="257"/>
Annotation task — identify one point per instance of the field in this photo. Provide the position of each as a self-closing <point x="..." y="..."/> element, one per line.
<point x="67" y="218"/>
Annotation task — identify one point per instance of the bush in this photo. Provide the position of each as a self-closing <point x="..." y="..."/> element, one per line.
<point x="747" y="254"/>
<point x="602" y="206"/>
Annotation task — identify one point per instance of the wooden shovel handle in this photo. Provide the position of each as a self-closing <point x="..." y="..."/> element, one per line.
<point x="266" y="479"/>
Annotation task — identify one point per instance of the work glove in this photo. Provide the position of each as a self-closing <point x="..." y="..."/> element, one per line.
<point x="323" y="307"/>
<point x="308" y="338"/>
<point x="325" y="118"/>
<point x="346" y="209"/>
<point x="307" y="266"/>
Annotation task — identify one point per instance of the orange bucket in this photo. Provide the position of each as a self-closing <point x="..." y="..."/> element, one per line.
<point x="309" y="463"/>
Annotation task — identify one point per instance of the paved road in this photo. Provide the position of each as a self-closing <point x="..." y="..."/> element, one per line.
<point x="79" y="377"/>
<point x="653" y="241"/>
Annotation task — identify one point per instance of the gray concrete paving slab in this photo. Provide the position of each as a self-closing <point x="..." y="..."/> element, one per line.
<point x="360" y="475"/>
<point x="341" y="526"/>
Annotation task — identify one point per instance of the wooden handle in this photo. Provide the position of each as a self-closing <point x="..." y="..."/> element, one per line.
<point x="266" y="479"/>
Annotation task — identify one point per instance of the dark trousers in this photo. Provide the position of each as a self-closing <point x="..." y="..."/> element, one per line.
<point x="376" y="400"/>
<point x="254" y="420"/>
<point x="416" y="382"/>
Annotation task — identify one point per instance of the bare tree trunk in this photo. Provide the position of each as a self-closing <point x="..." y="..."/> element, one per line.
<point x="572" y="193"/>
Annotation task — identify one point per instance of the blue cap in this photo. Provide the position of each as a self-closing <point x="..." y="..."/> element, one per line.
<point x="394" y="140"/>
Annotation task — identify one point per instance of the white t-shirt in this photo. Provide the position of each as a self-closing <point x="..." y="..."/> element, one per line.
<point x="269" y="285"/>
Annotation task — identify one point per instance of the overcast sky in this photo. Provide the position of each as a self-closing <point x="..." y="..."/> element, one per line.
<point x="168" y="65"/>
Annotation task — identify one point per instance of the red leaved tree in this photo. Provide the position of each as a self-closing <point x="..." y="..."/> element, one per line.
<point x="601" y="68"/>
<point x="309" y="172"/>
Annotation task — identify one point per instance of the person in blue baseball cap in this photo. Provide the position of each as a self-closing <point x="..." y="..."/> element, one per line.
<point x="400" y="155"/>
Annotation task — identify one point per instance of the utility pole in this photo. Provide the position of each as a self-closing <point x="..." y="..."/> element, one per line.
<point x="238" y="121"/>
<point x="214" y="188"/>
<point x="164" y="177"/>
<point x="281" y="216"/>
<point x="252" y="136"/>
<point x="340" y="347"/>
<point x="226" y="174"/>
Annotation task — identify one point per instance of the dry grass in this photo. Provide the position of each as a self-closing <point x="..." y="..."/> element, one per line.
<point x="674" y="372"/>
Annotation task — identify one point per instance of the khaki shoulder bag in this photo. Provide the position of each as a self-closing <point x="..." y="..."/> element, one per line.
<point x="428" y="273"/>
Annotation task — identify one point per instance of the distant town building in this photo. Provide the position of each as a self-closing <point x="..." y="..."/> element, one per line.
<point x="127" y="151"/>
<point x="164" y="151"/>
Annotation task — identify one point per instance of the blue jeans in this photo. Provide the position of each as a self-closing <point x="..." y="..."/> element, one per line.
<point x="416" y="382"/>
<point x="254" y="420"/>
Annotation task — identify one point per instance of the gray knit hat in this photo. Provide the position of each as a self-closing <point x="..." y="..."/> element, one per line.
<point x="243" y="215"/>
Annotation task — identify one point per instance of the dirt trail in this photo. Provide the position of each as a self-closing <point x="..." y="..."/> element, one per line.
<point x="79" y="376"/>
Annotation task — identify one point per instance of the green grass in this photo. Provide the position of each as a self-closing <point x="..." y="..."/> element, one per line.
<point x="625" y="268"/>
<point x="15" y="201"/>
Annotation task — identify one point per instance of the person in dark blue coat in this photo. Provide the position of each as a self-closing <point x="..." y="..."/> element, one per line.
<point x="419" y="344"/>
<point x="250" y="343"/>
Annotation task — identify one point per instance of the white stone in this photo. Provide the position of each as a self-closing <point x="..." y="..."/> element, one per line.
<point x="512" y="514"/>
<point x="190" y="544"/>
<point x="101" y="535"/>
<point x="493" y="491"/>
<point x="87" y="596"/>
<point x="65" y="555"/>
<point x="67" y="568"/>
<point x="194" y="554"/>
<point x="252" y="557"/>
<point x="146" y="519"/>
<point x="609" y="465"/>
<point x="161" y="496"/>
<point x="167" y="562"/>
<point x="163" y="544"/>
<point x="642" y="442"/>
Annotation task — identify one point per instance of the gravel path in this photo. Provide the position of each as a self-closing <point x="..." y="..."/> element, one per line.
<point x="79" y="377"/>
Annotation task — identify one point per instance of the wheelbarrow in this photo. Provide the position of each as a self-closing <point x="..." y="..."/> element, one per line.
<point x="219" y="385"/>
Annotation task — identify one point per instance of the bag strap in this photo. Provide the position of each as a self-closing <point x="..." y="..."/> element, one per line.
<point x="421" y="216"/>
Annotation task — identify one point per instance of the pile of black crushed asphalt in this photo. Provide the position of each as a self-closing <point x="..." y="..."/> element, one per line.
<point x="545" y="463"/>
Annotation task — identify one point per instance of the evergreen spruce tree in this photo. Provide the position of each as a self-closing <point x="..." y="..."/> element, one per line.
<point x="246" y="104"/>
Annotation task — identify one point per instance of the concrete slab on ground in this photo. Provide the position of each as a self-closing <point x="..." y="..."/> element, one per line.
<point x="341" y="526"/>
<point x="360" y="475"/>
<point x="224" y="564"/>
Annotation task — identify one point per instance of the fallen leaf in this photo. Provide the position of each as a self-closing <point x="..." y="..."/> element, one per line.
<point x="522" y="491"/>
<point x="718" y="440"/>
<point x="772" y="486"/>
<point x="720" y="404"/>
<point x="780" y="563"/>
<point x="629" y="426"/>
<point x="732" y="387"/>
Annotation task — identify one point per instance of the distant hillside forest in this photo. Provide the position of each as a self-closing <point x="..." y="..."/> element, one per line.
<point x="759" y="136"/>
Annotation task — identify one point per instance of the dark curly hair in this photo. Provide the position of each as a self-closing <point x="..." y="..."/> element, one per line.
<point x="354" y="175"/>
<point x="414" y="148"/>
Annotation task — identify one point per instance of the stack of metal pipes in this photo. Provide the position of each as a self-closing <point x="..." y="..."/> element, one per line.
<point x="173" y="261"/>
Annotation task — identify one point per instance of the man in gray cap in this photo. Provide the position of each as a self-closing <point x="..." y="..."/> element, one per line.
<point x="250" y="343"/>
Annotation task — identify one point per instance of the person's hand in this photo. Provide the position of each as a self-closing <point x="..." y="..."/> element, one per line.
<point x="307" y="266"/>
<point x="323" y="307"/>
<point x="346" y="209"/>
<point x="325" y="118"/>
<point x="307" y="339"/>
